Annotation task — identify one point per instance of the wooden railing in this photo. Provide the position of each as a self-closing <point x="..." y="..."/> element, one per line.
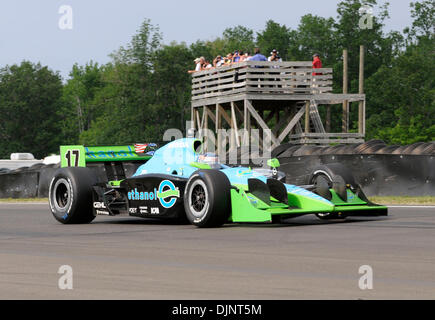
<point x="261" y="78"/>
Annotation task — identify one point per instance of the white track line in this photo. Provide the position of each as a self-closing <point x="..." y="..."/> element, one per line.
<point x="422" y="207"/>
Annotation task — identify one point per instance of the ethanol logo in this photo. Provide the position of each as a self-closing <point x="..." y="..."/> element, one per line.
<point x="167" y="190"/>
<point x="166" y="194"/>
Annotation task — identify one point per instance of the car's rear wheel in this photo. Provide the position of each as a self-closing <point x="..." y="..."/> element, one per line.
<point x="70" y="195"/>
<point x="207" y="199"/>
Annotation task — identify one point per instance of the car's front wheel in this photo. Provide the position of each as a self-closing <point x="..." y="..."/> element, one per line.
<point x="207" y="199"/>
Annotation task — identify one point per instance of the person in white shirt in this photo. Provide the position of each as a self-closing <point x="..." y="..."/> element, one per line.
<point x="199" y="62"/>
<point x="274" y="56"/>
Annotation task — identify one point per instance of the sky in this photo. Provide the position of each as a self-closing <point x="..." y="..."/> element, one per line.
<point x="39" y="30"/>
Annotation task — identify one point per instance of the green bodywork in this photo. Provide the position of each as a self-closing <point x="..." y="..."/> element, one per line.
<point x="246" y="207"/>
<point x="78" y="156"/>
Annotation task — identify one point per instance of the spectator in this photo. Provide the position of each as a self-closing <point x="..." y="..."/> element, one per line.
<point x="218" y="61"/>
<point x="206" y="65"/>
<point x="247" y="56"/>
<point x="274" y="56"/>
<point x="229" y="59"/>
<point x="258" y="56"/>
<point x="242" y="56"/>
<point x="236" y="57"/>
<point x="317" y="64"/>
<point x="199" y="64"/>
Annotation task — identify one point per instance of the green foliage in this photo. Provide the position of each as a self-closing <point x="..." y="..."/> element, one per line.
<point x="146" y="89"/>
<point x="314" y="35"/>
<point x="275" y="36"/>
<point x="238" y="38"/>
<point x="402" y="97"/>
<point x="424" y="20"/>
<point x="30" y="99"/>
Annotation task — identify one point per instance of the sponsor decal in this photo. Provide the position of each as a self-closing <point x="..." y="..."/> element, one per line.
<point x="105" y="154"/>
<point x="166" y="193"/>
<point x="99" y="205"/>
<point x="102" y="213"/>
<point x="155" y="210"/>
<point x="132" y="210"/>
<point x="179" y="144"/>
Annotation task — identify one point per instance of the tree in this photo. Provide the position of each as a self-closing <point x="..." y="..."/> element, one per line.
<point x="30" y="100"/>
<point x="78" y="99"/>
<point x="275" y="36"/>
<point x="379" y="47"/>
<point x="314" y="35"/>
<point x="173" y="85"/>
<point x="424" y="16"/>
<point x="402" y="97"/>
<point x="238" y="38"/>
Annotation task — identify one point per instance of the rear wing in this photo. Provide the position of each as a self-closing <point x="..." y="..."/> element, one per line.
<point x="79" y="156"/>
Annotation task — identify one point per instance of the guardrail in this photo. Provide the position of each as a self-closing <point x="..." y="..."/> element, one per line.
<point x="261" y="77"/>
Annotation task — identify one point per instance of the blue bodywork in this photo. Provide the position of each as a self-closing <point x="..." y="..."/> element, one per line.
<point x="176" y="158"/>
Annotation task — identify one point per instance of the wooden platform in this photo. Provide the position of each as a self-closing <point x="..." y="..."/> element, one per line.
<point x="278" y="97"/>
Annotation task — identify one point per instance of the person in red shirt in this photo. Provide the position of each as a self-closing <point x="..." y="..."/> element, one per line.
<point x="317" y="64"/>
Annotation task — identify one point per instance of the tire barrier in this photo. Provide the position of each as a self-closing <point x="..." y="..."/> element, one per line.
<point x="381" y="170"/>
<point x="369" y="147"/>
<point x="34" y="181"/>
<point x="20" y="184"/>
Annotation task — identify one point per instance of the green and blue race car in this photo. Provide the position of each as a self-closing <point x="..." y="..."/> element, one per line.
<point x="179" y="181"/>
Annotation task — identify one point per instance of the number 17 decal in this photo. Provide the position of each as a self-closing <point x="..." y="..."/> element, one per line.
<point x="72" y="156"/>
<point x="75" y="154"/>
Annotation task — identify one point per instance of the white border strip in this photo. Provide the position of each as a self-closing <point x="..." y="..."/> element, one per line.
<point x="423" y="207"/>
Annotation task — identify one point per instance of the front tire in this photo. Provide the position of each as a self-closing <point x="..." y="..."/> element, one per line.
<point x="207" y="199"/>
<point x="323" y="178"/>
<point x="70" y="195"/>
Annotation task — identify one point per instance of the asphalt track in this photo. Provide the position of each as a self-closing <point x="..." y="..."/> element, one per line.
<point x="129" y="258"/>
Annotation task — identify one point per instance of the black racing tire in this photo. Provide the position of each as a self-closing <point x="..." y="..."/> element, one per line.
<point x="333" y="169"/>
<point x="207" y="199"/>
<point x="280" y="149"/>
<point x="328" y="172"/>
<point x="363" y="148"/>
<point x="70" y="195"/>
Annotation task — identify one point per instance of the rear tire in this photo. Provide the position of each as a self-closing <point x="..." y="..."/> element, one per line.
<point x="207" y="199"/>
<point x="70" y="195"/>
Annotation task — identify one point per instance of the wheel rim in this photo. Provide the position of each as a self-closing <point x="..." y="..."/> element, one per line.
<point x="61" y="194"/>
<point x="198" y="198"/>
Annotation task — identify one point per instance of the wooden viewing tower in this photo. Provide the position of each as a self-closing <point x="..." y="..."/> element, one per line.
<point x="281" y="96"/>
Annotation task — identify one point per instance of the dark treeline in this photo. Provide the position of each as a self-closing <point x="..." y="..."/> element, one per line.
<point x="145" y="89"/>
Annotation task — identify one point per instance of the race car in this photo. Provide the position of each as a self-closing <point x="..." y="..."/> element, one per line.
<point x="180" y="181"/>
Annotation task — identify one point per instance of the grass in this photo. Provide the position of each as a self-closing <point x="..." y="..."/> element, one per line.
<point x="404" y="200"/>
